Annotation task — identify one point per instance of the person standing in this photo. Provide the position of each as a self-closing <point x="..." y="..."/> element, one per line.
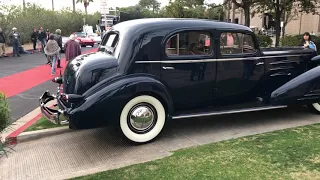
<point x="307" y="42"/>
<point x="15" y="41"/>
<point x="34" y="38"/>
<point x="42" y="38"/>
<point x="52" y="50"/>
<point x="2" y="44"/>
<point x="48" y="35"/>
<point x="58" y="38"/>
<point x="72" y="48"/>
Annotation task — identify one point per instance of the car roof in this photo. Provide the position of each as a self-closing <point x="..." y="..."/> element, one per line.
<point x="174" y="23"/>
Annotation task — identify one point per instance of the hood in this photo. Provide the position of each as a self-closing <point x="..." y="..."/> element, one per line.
<point x="86" y="70"/>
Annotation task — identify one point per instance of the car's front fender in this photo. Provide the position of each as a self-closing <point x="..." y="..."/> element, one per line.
<point x="304" y="89"/>
<point x="103" y="107"/>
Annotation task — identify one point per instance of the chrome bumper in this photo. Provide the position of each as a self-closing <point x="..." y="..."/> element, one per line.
<point x="52" y="115"/>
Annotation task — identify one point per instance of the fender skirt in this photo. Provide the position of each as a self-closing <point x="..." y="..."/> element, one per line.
<point x="103" y="107"/>
<point x="302" y="90"/>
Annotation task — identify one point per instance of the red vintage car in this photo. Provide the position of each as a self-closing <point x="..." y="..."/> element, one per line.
<point x="83" y="39"/>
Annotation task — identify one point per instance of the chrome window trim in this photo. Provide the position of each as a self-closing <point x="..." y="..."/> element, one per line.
<point x="214" y="60"/>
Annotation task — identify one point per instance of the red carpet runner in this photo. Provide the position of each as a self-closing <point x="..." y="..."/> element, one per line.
<point x="17" y="83"/>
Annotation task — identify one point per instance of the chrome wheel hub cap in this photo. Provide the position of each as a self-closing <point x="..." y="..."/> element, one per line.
<point x="142" y="117"/>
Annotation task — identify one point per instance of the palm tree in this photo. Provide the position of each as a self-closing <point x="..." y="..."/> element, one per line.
<point x="85" y="3"/>
<point x="24" y="4"/>
<point x="74" y="5"/>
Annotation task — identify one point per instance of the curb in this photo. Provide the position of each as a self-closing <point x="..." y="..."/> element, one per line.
<point x="22" y="124"/>
<point x="33" y="135"/>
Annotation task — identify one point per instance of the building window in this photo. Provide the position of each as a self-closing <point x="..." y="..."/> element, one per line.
<point x="189" y="43"/>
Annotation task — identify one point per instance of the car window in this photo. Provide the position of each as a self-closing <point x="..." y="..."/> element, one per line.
<point x="110" y="40"/>
<point x="236" y="43"/>
<point x="189" y="43"/>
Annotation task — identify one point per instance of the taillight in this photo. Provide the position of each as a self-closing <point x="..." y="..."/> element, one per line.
<point x="64" y="97"/>
<point x="57" y="80"/>
<point x="72" y="98"/>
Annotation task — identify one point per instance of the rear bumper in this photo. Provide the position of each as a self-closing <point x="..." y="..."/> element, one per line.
<point x="53" y="114"/>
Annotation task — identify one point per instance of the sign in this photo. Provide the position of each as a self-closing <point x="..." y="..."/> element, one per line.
<point x="104" y="7"/>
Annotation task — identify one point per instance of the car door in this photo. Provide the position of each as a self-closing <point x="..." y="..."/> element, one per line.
<point x="239" y="68"/>
<point x="188" y="68"/>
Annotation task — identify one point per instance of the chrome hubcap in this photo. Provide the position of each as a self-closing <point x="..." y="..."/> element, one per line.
<point x="142" y="117"/>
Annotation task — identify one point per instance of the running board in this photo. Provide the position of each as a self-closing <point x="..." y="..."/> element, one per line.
<point x="214" y="113"/>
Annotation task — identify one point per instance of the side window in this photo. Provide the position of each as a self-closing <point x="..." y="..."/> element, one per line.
<point x="189" y="43"/>
<point x="110" y="40"/>
<point x="236" y="43"/>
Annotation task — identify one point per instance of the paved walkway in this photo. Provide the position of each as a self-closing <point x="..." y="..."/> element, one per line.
<point x="24" y="101"/>
<point x="89" y="151"/>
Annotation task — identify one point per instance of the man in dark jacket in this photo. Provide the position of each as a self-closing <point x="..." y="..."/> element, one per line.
<point x="15" y="41"/>
<point x="2" y="44"/>
<point x="58" y="38"/>
<point x="42" y="36"/>
<point x="34" y="38"/>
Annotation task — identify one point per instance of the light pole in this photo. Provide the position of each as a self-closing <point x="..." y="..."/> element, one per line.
<point x="52" y="5"/>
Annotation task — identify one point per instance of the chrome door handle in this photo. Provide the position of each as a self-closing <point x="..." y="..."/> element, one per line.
<point x="260" y="63"/>
<point x="167" y="67"/>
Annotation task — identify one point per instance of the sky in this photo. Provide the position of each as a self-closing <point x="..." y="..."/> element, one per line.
<point x="93" y="7"/>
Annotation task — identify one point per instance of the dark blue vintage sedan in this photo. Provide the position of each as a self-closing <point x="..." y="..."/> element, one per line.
<point x="150" y="71"/>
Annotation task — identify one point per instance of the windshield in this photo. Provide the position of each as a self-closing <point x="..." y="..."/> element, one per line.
<point x="93" y="35"/>
<point x="79" y="34"/>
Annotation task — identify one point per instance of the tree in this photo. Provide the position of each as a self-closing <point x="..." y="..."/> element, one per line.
<point x="85" y="4"/>
<point x="185" y="8"/>
<point x="74" y="5"/>
<point x="214" y="12"/>
<point x="136" y="12"/>
<point x="150" y="4"/>
<point x="246" y="5"/>
<point x="289" y="16"/>
<point x="279" y="7"/>
<point x="175" y="9"/>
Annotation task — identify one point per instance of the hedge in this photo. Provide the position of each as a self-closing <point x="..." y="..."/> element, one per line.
<point x="4" y="122"/>
<point x="264" y="41"/>
<point x="296" y="41"/>
<point x="35" y="16"/>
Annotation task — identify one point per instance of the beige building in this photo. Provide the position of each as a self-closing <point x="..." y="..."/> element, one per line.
<point x="300" y="24"/>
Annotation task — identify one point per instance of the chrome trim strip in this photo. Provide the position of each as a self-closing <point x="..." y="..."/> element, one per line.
<point x="215" y="60"/>
<point x="280" y="74"/>
<point x="282" y="62"/>
<point x="227" y="112"/>
<point x="280" y="68"/>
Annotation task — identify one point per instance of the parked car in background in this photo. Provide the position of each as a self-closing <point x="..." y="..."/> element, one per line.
<point x="83" y="39"/>
<point x="148" y="72"/>
<point x="64" y="41"/>
<point x="96" y="38"/>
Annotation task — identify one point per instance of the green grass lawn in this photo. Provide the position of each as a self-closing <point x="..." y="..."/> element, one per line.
<point x="286" y="154"/>
<point x="42" y="123"/>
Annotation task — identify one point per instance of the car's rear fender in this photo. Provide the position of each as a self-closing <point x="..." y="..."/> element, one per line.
<point x="304" y="89"/>
<point x="105" y="105"/>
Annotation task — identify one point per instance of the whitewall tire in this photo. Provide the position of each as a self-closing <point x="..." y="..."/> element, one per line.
<point x="315" y="107"/>
<point x="142" y="118"/>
